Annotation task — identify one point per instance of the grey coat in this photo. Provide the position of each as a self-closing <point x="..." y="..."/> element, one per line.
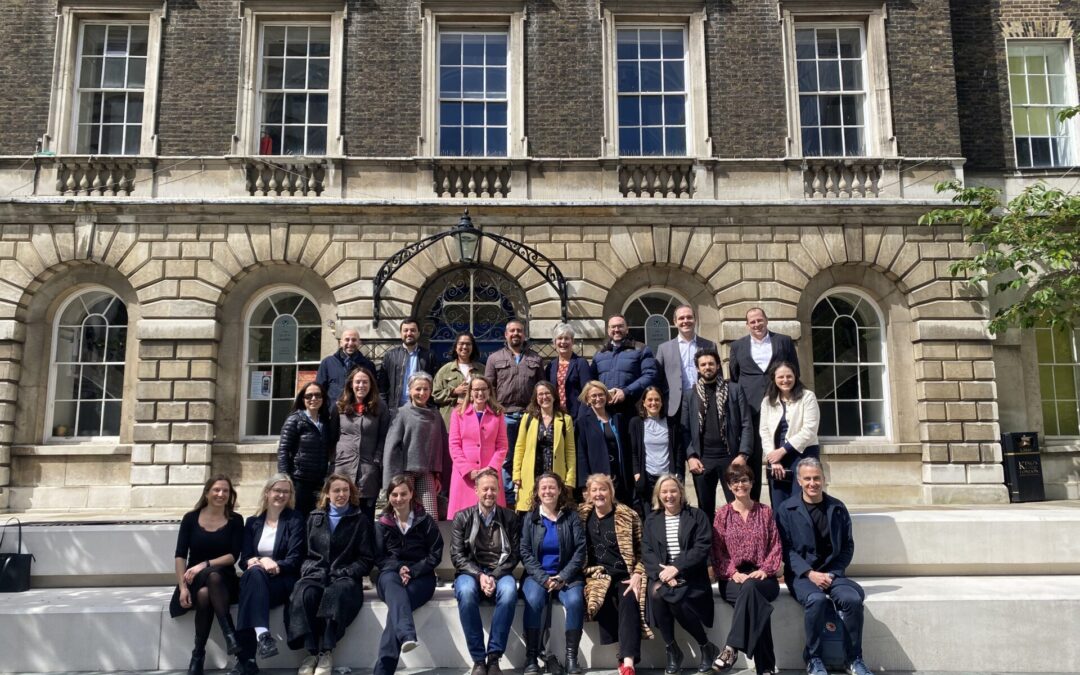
<point x="358" y="442"/>
<point x="416" y="442"/>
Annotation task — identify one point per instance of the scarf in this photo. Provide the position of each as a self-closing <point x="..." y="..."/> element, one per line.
<point x="360" y="408"/>
<point x="721" y="402"/>
<point x="335" y="515"/>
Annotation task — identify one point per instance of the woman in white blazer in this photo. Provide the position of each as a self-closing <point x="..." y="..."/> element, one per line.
<point x="789" y="426"/>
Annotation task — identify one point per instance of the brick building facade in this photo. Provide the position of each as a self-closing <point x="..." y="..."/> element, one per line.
<point x="199" y="234"/>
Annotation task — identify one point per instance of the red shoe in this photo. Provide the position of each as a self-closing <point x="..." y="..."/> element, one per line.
<point x="626" y="670"/>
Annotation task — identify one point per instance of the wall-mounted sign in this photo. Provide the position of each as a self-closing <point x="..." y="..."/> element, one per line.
<point x="285" y="339"/>
<point x="657" y="331"/>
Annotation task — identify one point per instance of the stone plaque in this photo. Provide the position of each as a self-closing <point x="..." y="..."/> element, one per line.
<point x="657" y="330"/>
<point x="285" y="336"/>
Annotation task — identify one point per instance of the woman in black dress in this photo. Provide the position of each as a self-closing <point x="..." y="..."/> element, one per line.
<point x="675" y="549"/>
<point x="329" y="595"/>
<point x="207" y="548"/>
<point x="271" y="557"/>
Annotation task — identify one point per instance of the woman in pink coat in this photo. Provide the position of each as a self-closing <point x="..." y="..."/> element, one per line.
<point x="477" y="441"/>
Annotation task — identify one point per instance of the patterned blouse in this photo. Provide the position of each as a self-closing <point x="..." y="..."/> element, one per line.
<point x="754" y="544"/>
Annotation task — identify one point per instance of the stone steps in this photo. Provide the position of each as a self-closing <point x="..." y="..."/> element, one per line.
<point x="1017" y="540"/>
<point x="975" y="624"/>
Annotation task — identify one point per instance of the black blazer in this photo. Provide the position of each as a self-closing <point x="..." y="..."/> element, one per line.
<point x="695" y="544"/>
<point x="592" y="451"/>
<point x="420" y="549"/>
<point x="392" y="370"/>
<point x="738" y="425"/>
<point x="571" y="533"/>
<point x="744" y="370"/>
<point x="577" y="376"/>
<point x="676" y="459"/>
<point x="290" y="546"/>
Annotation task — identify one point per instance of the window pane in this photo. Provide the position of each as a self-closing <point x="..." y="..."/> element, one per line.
<point x="295" y="73"/>
<point x="473" y="114"/>
<point x="674" y="110"/>
<point x="472" y="49"/>
<point x="273" y="107"/>
<point x="853" y="142"/>
<point x="847" y="382"/>
<point x="1058" y="89"/>
<point x="92" y="383"/>
<point x="94" y="40"/>
<point x="89" y="419"/>
<point x="811" y="142"/>
<point x="1040" y="151"/>
<point x="472" y="82"/>
<point x="873" y="418"/>
<point x="115" y="72"/>
<point x="132" y="139"/>
<point x="630" y="141"/>
<point x="829" y="75"/>
<point x="496" y="82"/>
<point x="317" y="108"/>
<point x="830" y="110"/>
<point x="831" y="143"/>
<point x="296" y="41"/>
<point x="628" y="77"/>
<point x="652" y="141"/>
<point x="258" y="418"/>
<point x="675" y="138"/>
<point x="450" y="82"/>
<point x="673" y="44"/>
<point x="673" y="76"/>
<point x="496" y="114"/>
<point x="450" y="113"/>
<point x="116" y="343"/>
<point x="1068" y="421"/>
<point x="851" y="75"/>
<point x="308" y="343"/>
<point x="114" y="382"/>
<point x="824" y="382"/>
<point x="274" y="41"/>
<point x="260" y="345"/>
<point x="64" y="419"/>
<point x="472" y="141"/>
<point x="110" y="423"/>
<point x="827" y="425"/>
<point x="116" y="40"/>
<point x="629" y="111"/>
<point x="450" y="141"/>
<point x="826" y="43"/>
<point x="804" y="44"/>
<point x="1037" y="88"/>
<point x="496" y="142"/>
<point x="136" y="73"/>
<point x="849" y="421"/>
<point x="273" y="73"/>
<point x="652" y="110"/>
<point x="319" y="41"/>
<point x="850" y="43"/>
<point x="295" y="108"/>
<point x="1064" y="384"/>
<point x="626" y="45"/>
<point x="293" y="140"/>
<point x="1023" y="152"/>
<point x="496" y="50"/>
<point x="649" y="44"/>
<point x="319" y="74"/>
<point x="650" y="76"/>
<point x="90" y="71"/>
<point x="316" y="141"/>
<point x="450" y="49"/>
<point x="1018" y="89"/>
<point x="134" y="108"/>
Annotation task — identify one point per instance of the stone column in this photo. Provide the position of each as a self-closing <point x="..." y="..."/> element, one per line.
<point x="958" y="413"/>
<point x="11" y="351"/>
<point x="174" y="412"/>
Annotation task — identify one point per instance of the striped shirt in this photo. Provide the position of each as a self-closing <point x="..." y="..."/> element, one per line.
<point x="671" y="526"/>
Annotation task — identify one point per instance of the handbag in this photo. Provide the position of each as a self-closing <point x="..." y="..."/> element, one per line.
<point x="14" y="567"/>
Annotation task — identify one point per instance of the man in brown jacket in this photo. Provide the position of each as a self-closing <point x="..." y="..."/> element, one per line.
<point x="514" y="370"/>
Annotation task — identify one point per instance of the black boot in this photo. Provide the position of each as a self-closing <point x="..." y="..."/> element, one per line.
<point x="709" y="652"/>
<point x="232" y="645"/>
<point x="573" y="641"/>
<point x="532" y="651"/>
<point x="674" y="658"/>
<point x="198" y="657"/>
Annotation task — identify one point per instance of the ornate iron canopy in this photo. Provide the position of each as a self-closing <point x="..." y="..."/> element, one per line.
<point x="469" y="239"/>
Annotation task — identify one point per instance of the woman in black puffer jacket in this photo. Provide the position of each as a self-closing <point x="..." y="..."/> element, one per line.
<point x="302" y="453"/>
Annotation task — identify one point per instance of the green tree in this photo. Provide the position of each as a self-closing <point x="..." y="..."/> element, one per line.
<point x="1029" y="247"/>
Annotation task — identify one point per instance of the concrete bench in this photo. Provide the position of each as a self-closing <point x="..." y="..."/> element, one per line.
<point x="976" y="624"/>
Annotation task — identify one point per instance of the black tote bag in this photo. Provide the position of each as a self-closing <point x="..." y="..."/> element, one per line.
<point x="14" y="567"/>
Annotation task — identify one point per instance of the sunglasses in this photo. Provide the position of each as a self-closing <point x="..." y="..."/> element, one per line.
<point x="312" y="397"/>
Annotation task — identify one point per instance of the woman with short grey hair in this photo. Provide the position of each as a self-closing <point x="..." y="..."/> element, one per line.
<point x="416" y="443"/>
<point x="568" y="370"/>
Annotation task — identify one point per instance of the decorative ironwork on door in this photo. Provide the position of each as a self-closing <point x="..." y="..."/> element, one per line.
<point x="478" y="300"/>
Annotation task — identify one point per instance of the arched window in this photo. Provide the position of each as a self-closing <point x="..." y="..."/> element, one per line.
<point x="284" y="335"/>
<point x="1058" y="353"/>
<point x="650" y="316"/>
<point x="477" y="300"/>
<point x="849" y="366"/>
<point x="87" y="386"/>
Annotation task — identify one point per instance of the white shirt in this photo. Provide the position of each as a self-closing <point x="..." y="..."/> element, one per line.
<point x="407" y="525"/>
<point x="761" y="351"/>
<point x="687" y="350"/>
<point x="265" y="549"/>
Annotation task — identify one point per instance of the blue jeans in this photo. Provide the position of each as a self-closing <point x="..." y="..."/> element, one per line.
<point x="536" y="598"/>
<point x="513" y="423"/>
<point x="468" y="594"/>
<point x="401" y="602"/>
<point x="848" y="598"/>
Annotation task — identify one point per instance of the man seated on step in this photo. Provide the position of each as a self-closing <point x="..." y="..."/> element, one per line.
<point x="485" y="548"/>
<point x="815" y="531"/>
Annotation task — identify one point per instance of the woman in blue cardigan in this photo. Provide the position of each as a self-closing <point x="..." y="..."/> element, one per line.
<point x="271" y="556"/>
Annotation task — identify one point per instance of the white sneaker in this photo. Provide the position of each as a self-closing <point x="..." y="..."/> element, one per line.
<point x="307" y="666"/>
<point x="408" y="646"/>
<point x="325" y="665"/>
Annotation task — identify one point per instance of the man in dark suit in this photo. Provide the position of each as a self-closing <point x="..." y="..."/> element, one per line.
<point x="675" y="358"/>
<point x="716" y="429"/>
<point x="399" y="363"/>
<point x="750" y="358"/>
<point x="815" y="531"/>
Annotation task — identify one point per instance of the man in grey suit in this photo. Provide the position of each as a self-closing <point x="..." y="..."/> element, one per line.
<point x="675" y="357"/>
<point x="749" y="359"/>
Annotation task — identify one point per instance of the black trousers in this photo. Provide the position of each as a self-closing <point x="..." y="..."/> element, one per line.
<point x="756" y="455"/>
<point x="623" y="613"/>
<point x="401" y="602"/>
<point x="751" y="627"/>
<point x="324" y="632"/>
<point x="665" y="615"/>
<point x="258" y="593"/>
<point x="307" y="494"/>
<point x="705" y="484"/>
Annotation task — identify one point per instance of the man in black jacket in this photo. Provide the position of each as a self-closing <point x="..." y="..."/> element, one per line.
<point x="485" y="549"/>
<point x="335" y="368"/>
<point x="716" y="429"/>
<point x="399" y="364"/>
<point x="751" y="357"/>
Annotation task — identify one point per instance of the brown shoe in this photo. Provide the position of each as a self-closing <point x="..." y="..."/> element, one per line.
<point x="726" y="660"/>
<point x="479" y="669"/>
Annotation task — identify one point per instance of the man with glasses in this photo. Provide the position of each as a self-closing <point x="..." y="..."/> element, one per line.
<point x="625" y="367"/>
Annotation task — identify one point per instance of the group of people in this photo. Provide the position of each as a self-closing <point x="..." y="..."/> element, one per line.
<point x="505" y="450"/>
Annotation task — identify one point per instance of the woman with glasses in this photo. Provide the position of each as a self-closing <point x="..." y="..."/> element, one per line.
<point x="477" y="441"/>
<point x="302" y="450"/>
<point x="600" y="445"/>
<point x="746" y="553"/>
<point x="451" y="387"/>
<point x="271" y="556"/>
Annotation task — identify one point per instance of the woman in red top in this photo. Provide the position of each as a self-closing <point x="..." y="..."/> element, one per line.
<point x="746" y="551"/>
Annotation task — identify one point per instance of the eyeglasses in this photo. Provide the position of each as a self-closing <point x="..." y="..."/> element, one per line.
<point x="740" y="481"/>
<point x="312" y="397"/>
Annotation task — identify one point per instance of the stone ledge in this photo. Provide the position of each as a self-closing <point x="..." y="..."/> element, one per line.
<point x="860" y="448"/>
<point x="178" y="329"/>
<point x="71" y="450"/>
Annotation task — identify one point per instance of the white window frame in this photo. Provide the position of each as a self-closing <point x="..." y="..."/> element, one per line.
<point x="265" y="293"/>
<point x="255" y="14"/>
<point x="447" y="28"/>
<point x="50" y="396"/>
<point x="1074" y="366"/>
<point x="870" y="15"/>
<point x="866" y="126"/>
<point x="687" y="113"/>
<point x="61" y="135"/>
<point x="690" y="16"/>
<point x="1071" y="93"/>
<point x="886" y="402"/>
<point x="482" y="15"/>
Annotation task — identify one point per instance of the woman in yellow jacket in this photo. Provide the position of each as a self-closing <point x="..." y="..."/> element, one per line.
<point x="545" y="443"/>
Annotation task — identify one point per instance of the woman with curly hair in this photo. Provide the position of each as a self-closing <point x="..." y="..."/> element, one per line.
<point x="358" y="433"/>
